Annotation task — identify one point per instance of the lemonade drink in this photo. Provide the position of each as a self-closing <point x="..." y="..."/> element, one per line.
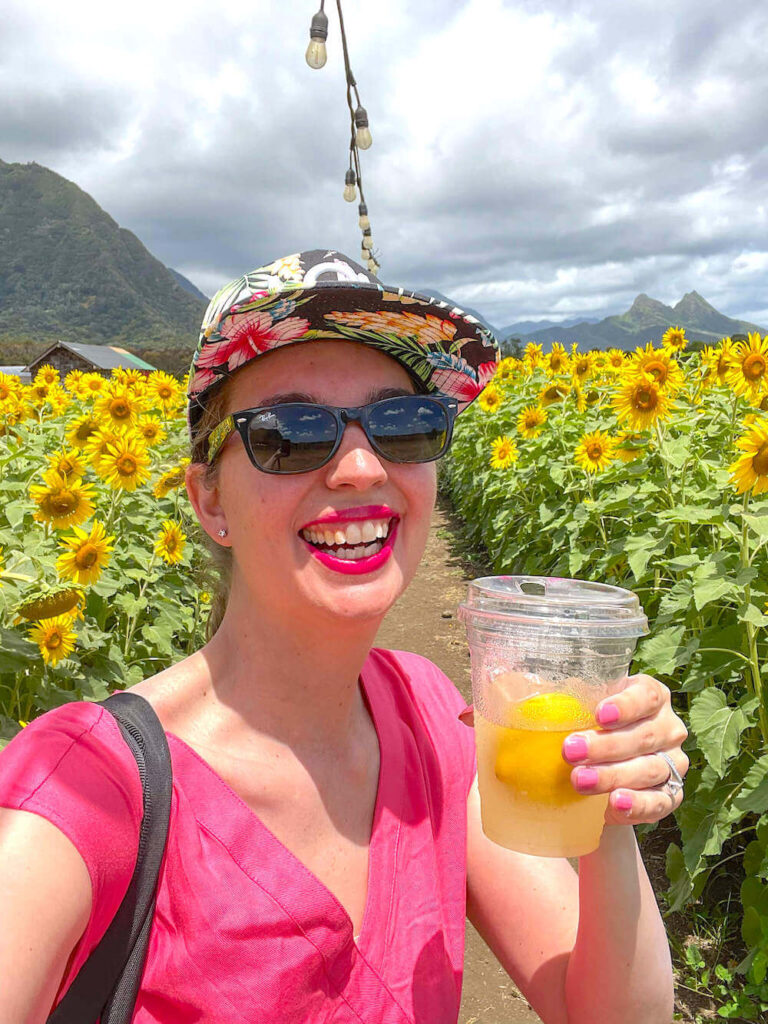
<point x="528" y="802"/>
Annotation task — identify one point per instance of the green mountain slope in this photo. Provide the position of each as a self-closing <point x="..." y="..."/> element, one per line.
<point x="68" y="271"/>
<point x="647" y="320"/>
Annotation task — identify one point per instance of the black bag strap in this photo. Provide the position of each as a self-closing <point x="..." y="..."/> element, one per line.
<point x="107" y="984"/>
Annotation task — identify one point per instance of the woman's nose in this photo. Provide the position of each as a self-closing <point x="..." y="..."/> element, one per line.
<point x="355" y="464"/>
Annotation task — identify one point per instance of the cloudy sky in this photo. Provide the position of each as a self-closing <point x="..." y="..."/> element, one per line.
<point x="531" y="158"/>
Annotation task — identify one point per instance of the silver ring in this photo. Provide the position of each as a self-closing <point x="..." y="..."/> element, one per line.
<point x="674" y="783"/>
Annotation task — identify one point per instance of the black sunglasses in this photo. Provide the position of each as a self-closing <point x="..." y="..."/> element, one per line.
<point x="298" y="437"/>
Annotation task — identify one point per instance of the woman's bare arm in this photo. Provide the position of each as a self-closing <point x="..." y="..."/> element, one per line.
<point x="582" y="948"/>
<point x="45" y="904"/>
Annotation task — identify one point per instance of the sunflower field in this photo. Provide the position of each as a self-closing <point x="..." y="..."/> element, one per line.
<point x="100" y="585"/>
<point x="650" y="471"/>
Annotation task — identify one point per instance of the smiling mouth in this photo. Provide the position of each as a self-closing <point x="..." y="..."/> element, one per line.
<point x="349" y="541"/>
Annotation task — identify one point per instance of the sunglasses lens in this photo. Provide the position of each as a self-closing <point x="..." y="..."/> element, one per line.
<point x="291" y="438"/>
<point x="409" y="429"/>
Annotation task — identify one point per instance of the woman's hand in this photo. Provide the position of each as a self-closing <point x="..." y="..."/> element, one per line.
<point x="621" y="757"/>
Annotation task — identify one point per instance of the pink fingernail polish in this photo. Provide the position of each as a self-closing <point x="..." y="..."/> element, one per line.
<point x="608" y="714"/>
<point x="586" y="778"/>
<point x="623" y="802"/>
<point x="575" y="748"/>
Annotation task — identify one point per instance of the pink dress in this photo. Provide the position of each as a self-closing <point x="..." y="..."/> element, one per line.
<point x="243" y="932"/>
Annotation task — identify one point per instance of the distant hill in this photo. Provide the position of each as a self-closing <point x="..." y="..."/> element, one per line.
<point x="69" y="271"/>
<point x="467" y="309"/>
<point x="187" y="285"/>
<point x="647" y="320"/>
<point x="524" y="327"/>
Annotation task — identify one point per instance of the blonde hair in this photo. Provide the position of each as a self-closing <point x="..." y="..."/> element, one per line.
<point x="217" y="574"/>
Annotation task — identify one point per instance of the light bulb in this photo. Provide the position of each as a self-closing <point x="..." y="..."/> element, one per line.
<point x="363" y="221"/>
<point x="367" y="242"/>
<point x="350" y="192"/>
<point x="363" y="138"/>
<point x="372" y="266"/>
<point x="316" y="54"/>
<point x="364" y="254"/>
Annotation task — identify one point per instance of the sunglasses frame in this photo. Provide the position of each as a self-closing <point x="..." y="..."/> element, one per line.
<point x="239" y="422"/>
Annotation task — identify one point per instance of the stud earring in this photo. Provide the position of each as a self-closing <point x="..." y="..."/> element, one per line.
<point x="223" y="532"/>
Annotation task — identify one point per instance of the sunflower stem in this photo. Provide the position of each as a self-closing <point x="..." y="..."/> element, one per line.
<point x="752" y="652"/>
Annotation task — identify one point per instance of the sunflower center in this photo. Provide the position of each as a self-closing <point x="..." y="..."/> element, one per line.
<point x="119" y="409"/>
<point x="754" y="366"/>
<point x="4" y="392"/>
<point x="63" y="503"/>
<point x="126" y="465"/>
<point x="53" y="640"/>
<point x="164" y="392"/>
<point x="658" y="370"/>
<point x="760" y="461"/>
<point x="595" y="451"/>
<point x="645" y="399"/>
<point x="170" y="543"/>
<point x="84" y="431"/>
<point x="87" y="556"/>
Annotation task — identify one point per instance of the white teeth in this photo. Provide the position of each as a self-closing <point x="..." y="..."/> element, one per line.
<point x="368" y="532"/>
<point x="381" y="529"/>
<point x="371" y="549"/>
<point x="354" y="534"/>
<point x="340" y="536"/>
<point x="329" y="537"/>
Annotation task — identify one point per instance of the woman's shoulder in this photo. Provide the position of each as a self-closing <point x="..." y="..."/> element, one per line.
<point x="425" y="681"/>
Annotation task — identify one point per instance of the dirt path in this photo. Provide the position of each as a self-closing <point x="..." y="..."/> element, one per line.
<point x="424" y="621"/>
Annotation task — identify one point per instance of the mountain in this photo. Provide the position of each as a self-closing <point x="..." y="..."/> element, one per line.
<point x="646" y="320"/>
<point x="523" y="327"/>
<point x="187" y="285"/>
<point x="69" y="271"/>
<point x="432" y="294"/>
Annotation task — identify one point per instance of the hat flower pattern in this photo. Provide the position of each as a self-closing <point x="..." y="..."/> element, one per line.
<point x="445" y="349"/>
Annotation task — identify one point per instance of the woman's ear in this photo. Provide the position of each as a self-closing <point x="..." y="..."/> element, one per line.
<point x="205" y="501"/>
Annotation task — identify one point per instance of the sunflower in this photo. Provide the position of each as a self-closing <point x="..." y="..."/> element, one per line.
<point x="577" y="394"/>
<point x="61" y="502"/>
<point x="118" y="407"/>
<point x="505" y="371"/>
<point x="163" y="390"/>
<point x="503" y="452"/>
<point x="748" y="372"/>
<point x="73" y="382"/>
<point x="54" y="637"/>
<point x="97" y="446"/>
<point x="59" y="400"/>
<point x="640" y="401"/>
<point x="750" y="470"/>
<point x="10" y="386"/>
<point x="615" y="359"/>
<point x="552" y="393"/>
<point x="38" y="393"/>
<point x="582" y="366"/>
<point x="531" y="421"/>
<point x="658" y="364"/>
<point x="67" y="464"/>
<point x="85" y="555"/>
<point x="47" y="374"/>
<point x="150" y="430"/>
<point x="533" y="354"/>
<point x="170" y="542"/>
<point x="170" y="480"/>
<point x="718" y="361"/>
<point x="131" y="377"/>
<point x="674" y="339"/>
<point x="81" y="430"/>
<point x="49" y="602"/>
<point x="557" y="360"/>
<point x="92" y="384"/>
<point x="490" y="398"/>
<point x="595" y="452"/>
<point x="125" y="464"/>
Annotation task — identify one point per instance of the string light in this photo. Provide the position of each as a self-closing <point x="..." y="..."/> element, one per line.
<point x="316" y="54"/>
<point x="360" y="132"/>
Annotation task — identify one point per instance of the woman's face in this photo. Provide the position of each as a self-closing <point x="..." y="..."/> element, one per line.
<point x="280" y="527"/>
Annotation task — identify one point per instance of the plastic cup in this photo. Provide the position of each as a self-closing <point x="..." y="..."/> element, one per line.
<point x="544" y="653"/>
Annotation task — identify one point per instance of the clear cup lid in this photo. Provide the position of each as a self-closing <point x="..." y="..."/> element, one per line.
<point x="553" y="604"/>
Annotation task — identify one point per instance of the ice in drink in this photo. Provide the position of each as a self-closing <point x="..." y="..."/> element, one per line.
<point x="528" y="802"/>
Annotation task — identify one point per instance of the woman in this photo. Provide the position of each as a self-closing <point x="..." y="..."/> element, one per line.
<point x="325" y="839"/>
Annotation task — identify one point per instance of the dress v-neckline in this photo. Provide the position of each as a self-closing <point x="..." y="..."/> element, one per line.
<point x="276" y="869"/>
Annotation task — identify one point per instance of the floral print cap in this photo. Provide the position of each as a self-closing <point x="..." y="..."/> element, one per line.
<point x="322" y="294"/>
